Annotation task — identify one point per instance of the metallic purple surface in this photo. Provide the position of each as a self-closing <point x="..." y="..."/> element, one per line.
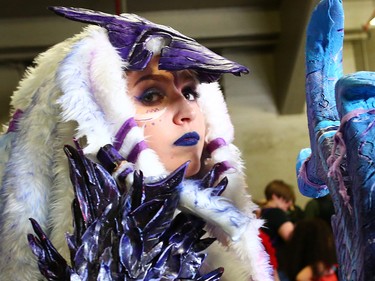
<point x="131" y="235"/>
<point x="129" y="33"/>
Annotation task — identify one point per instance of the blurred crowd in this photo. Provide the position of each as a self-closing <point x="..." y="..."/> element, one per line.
<point x="299" y="240"/>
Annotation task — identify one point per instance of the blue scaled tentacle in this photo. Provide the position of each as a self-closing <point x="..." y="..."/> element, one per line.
<point x="340" y="111"/>
<point x="355" y="96"/>
<point x="324" y="44"/>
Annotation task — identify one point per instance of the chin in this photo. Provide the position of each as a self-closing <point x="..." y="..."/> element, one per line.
<point x="193" y="169"/>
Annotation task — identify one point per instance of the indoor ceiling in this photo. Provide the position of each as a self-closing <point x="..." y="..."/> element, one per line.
<point x="277" y="26"/>
<point x="35" y="8"/>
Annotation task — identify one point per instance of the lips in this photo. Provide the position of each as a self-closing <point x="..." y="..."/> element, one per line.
<point x="188" y="139"/>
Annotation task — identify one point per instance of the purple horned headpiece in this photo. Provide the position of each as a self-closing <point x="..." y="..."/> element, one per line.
<point x="131" y="34"/>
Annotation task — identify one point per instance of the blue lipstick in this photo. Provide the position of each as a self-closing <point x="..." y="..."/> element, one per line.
<point x="189" y="139"/>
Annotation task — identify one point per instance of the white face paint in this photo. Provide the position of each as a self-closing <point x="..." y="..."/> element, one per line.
<point x="150" y="115"/>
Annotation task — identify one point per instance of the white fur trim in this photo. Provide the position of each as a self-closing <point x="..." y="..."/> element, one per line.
<point x="244" y="255"/>
<point x="28" y="181"/>
<point x="148" y="162"/>
<point x="155" y="43"/>
<point x="75" y="76"/>
<point x="215" y="110"/>
<point x="235" y="258"/>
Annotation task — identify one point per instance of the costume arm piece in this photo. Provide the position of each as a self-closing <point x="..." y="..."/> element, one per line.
<point x="198" y="197"/>
<point x="323" y="68"/>
<point x="125" y="234"/>
<point x="341" y="125"/>
<point x="135" y="227"/>
<point x="247" y="255"/>
<point x="353" y="197"/>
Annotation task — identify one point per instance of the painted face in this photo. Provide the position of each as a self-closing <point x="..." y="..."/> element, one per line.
<point x="167" y="109"/>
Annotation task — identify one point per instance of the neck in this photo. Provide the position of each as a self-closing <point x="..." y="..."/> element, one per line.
<point x="271" y="204"/>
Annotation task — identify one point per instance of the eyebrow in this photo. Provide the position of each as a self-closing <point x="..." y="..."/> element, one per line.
<point x="183" y="75"/>
<point x="186" y="74"/>
<point x="155" y="77"/>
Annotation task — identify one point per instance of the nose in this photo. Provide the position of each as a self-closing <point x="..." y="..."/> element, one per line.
<point x="185" y="111"/>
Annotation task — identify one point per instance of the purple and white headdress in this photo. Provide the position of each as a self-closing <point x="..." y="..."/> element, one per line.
<point x="131" y="34"/>
<point x="78" y="90"/>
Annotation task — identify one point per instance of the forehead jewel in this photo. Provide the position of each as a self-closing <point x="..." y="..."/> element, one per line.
<point x="131" y="34"/>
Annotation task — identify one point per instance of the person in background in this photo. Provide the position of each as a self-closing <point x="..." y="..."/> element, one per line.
<point x="295" y="212"/>
<point x="278" y="225"/>
<point x="266" y="241"/>
<point x="320" y="208"/>
<point x="310" y="253"/>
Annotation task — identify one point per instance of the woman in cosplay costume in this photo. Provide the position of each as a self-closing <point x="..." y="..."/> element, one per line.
<point x="149" y="91"/>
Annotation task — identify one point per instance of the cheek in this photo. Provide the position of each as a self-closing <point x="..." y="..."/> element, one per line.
<point x="150" y="127"/>
<point x="149" y="114"/>
<point x="201" y="124"/>
<point x="153" y="132"/>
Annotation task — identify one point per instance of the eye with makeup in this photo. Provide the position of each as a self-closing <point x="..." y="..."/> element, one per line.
<point x="190" y="93"/>
<point x="151" y="97"/>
